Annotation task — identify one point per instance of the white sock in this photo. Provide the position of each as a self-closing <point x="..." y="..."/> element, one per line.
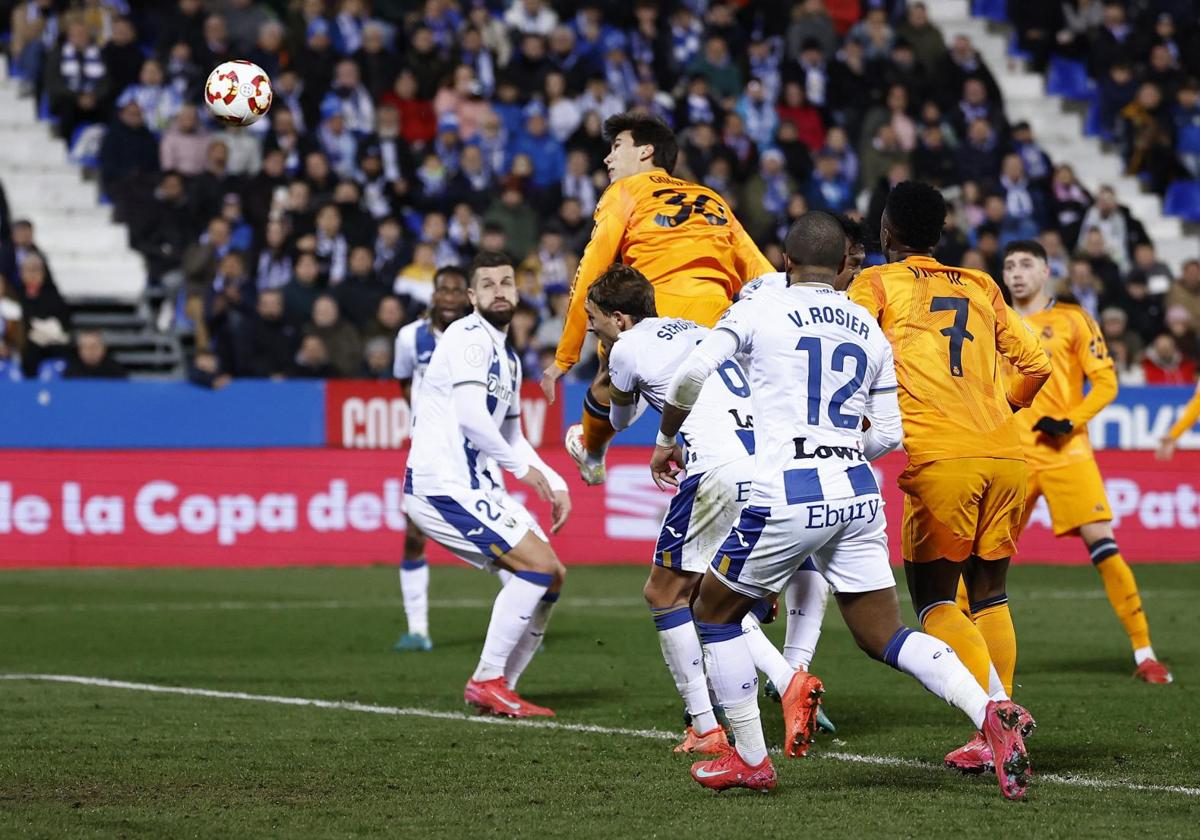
<point x="805" y="596"/>
<point x="414" y="585"/>
<point x="765" y="655"/>
<point x="995" y="687"/>
<point x="934" y="665"/>
<point x="530" y="641"/>
<point x="727" y="660"/>
<point x="511" y="614"/>
<point x="681" y="651"/>
<point x="1142" y="654"/>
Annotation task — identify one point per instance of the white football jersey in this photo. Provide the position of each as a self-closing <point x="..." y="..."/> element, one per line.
<point x="442" y="460"/>
<point x="414" y="349"/>
<point x="813" y="358"/>
<point x="720" y="428"/>
<point x="773" y="280"/>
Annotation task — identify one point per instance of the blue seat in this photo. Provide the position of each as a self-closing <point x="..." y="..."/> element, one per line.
<point x="1093" y="126"/>
<point x="1183" y="200"/>
<point x="51" y="370"/>
<point x="1014" y="49"/>
<point x="10" y="371"/>
<point x="996" y="10"/>
<point x="1068" y="79"/>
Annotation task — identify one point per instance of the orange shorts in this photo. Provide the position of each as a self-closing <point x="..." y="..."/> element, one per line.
<point x="704" y="309"/>
<point x="1074" y="493"/>
<point x="961" y="507"/>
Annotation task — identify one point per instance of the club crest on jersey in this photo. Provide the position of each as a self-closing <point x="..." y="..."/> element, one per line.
<point x="849" y="453"/>
<point x="475" y="355"/>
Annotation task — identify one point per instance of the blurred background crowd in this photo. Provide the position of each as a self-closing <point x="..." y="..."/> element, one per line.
<point x="405" y="136"/>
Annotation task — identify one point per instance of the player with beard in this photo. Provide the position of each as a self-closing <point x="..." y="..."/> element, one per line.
<point x="414" y="349"/>
<point x="469" y="413"/>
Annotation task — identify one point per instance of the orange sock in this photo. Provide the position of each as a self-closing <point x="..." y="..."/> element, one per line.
<point x="946" y="621"/>
<point x="994" y="621"/>
<point x="597" y="431"/>
<point x="1122" y="591"/>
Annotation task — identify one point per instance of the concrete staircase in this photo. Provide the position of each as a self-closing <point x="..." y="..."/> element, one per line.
<point x="88" y="253"/>
<point x="1058" y="127"/>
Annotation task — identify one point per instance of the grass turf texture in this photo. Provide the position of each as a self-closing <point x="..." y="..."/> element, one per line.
<point x="85" y="761"/>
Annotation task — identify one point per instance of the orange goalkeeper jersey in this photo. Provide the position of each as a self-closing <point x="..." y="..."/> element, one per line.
<point x="1077" y="352"/>
<point x="950" y="328"/>
<point x="682" y="236"/>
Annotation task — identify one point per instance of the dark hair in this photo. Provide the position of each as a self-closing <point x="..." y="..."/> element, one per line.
<point x="917" y="213"/>
<point x="448" y="271"/>
<point x="816" y="239"/>
<point x="622" y="288"/>
<point x="1025" y="246"/>
<point x="854" y="231"/>
<point x="647" y="130"/>
<point x="489" y="259"/>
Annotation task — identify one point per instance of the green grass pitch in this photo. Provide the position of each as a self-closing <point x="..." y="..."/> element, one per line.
<point x="1112" y="756"/>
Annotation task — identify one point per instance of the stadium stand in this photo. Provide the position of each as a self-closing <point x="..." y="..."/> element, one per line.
<point x="405" y="136"/>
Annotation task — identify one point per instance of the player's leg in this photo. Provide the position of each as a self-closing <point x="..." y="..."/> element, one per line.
<point x="806" y="596"/>
<point x="986" y="584"/>
<point x="414" y="588"/>
<point x="856" y="564"/>
<point x="940" y="519"/>
<point x="531" y="639"/>
<point x="1122" y="590"/>
<point x="1079" y="505"/>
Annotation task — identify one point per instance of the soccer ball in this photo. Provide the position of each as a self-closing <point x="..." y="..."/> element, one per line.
<point x="238" y="92"/>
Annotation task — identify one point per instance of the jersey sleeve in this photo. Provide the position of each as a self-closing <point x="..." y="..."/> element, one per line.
<point x="1017" y="343"/>
<point x="469" y="353"/>
<point x="738" y="321"/>
<point x="622" y="366"/>
<point x="611" y="217"/>
<point x="748" y="260"/>
<point x="1191" y="412"/>
<point x="405" y="356"/>
<point x="868" y="292"/>
<point x="1091" y="354"/>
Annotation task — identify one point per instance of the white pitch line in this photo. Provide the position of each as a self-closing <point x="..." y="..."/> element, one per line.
<point x="654" y="734"/>
<point x="477" y="603"/>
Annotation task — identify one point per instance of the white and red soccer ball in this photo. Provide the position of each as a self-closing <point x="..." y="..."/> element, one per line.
<point x="238" y="92"/>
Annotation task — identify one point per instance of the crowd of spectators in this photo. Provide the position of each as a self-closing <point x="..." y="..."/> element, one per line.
<point x="405" y="136"/>
<point x="1145" y="60"/>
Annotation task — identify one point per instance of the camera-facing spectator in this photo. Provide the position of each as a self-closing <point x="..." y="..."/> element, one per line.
<point x="77" y="81"/>
<point x="1185" y="291"/>
<point x="342" y="342"/>
<point x="302" y="291"/>
<point x="1124" y="345"/>
<point x="1164" y="364"/>
<point x="312" y="360"/>
<point x="91" y="359"/>
<point x="46" y="317"/>
<point x="377" y="359"/>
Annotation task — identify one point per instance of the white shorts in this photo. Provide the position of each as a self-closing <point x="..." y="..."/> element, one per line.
<point x="846" y="539"/>
<point x="477" y="525"/>
<point x="700" y="515"/>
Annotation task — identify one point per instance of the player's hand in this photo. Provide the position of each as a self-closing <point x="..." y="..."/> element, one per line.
<point x="1054" y="428"/>
<point x="665" y="465"/>
<point x="560" y="510"/>
<point x="1166" y="449"/>
<point x="550" y="376"/>
<point x="538" y="482"/>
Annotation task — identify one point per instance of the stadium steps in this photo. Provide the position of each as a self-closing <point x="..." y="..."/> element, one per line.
<point x="1058" y="124"/>
<point x="89" y="254"/>
<point x="145" y="353"/>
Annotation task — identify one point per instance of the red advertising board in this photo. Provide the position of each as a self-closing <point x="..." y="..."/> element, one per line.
<point x="333" y="506"/>
<point x="373" y="415"/>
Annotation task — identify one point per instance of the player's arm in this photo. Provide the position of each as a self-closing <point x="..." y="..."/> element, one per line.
<point x="561" y="503"/>
<point x="603" y="249"/>
<point x="1191" y="412"/>
<point x="718" y="347"/>
<point x="1017" y="343"/>
<point x="625" y="406"/>
<point x="883" y="410"/>
<point x="403" y="367"/>
<point x="1091" y="353"/>
<point x="748" y="260"/>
